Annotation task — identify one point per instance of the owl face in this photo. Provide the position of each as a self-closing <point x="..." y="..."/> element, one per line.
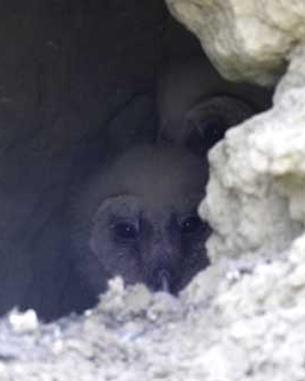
<point x="138" y="219"/>
<point x="162" y="248"/>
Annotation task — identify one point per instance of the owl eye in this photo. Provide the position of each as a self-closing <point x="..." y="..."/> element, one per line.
<point x="125" y="231"/>
<point x="191" y="225"/>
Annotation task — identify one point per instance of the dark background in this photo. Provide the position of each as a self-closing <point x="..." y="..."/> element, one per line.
<point x="69" y="69"/>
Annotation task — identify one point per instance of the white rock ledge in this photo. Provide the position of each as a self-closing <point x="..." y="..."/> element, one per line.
<point x="245" y="39"/>
<point x="256" y="193"/>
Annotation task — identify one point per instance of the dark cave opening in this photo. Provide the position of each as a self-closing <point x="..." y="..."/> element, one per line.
<point x="73" y="75"/>
<point x="68" y="69"/>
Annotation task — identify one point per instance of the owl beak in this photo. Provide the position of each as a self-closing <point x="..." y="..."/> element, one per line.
<point x="163" y="280"/>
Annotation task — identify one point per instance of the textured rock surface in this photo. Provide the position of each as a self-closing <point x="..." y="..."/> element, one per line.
<point x="255" y="199"/>
<point x="246" y="39"/>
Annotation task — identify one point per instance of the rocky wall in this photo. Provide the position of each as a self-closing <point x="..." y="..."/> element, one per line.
<point x="246" y="40"/>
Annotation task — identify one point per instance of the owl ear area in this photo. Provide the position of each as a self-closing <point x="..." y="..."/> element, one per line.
<point x="206" y="122"/>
